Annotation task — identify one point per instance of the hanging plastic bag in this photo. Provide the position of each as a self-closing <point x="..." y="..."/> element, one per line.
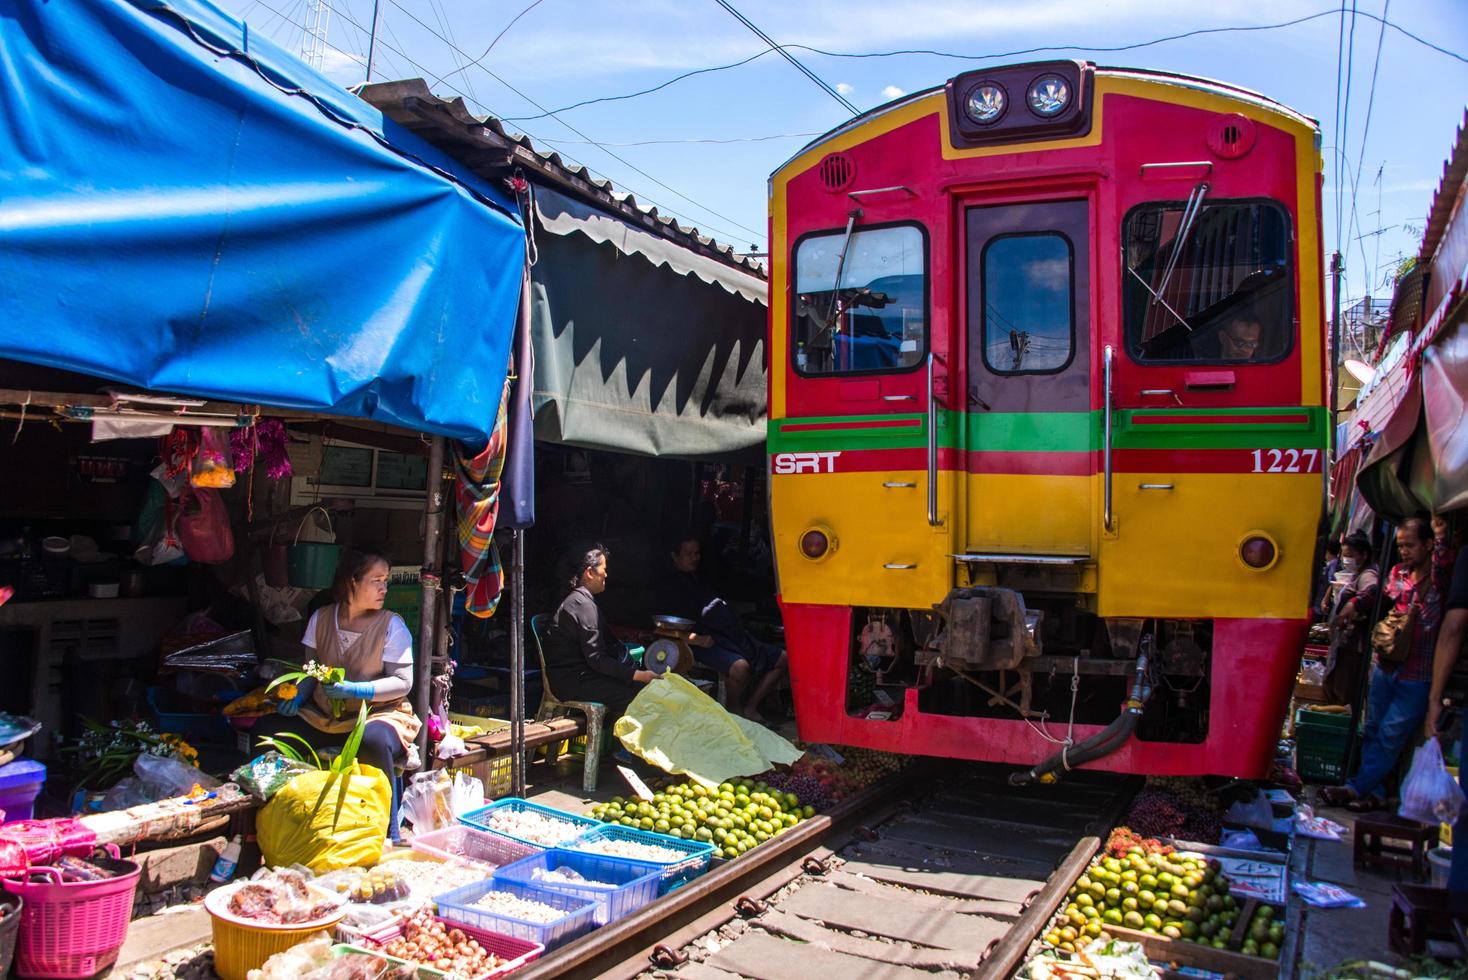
<point x="203" y="527"/>
<point x="212" y="465"/>
<point x="468" y="793"/>
<point x="1430" y="794"/>
<point x="293" y="829"/>
<point x="428" y="801"/>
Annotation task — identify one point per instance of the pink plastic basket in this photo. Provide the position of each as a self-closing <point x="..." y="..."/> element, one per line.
<point x="71" y="930"/>
<point x="467" y="844"/>
<point x="517" y="951"/>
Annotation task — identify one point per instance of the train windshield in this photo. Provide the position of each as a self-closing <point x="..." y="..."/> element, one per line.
<point x="1208" y="282"/>
<point x="865" y="311"/>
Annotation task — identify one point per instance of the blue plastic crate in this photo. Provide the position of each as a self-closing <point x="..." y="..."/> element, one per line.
<point x="202" y="725"/>
<point x="458" y="906"/>
<point x="675" y="874"/>
<point x="636" y="881"/>
<point x="479" y="819"/>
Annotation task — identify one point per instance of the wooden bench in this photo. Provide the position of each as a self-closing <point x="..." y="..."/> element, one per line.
<point x="484" y="749"/>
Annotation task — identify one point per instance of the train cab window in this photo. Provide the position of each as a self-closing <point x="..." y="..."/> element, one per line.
<point x="866" y="312"/>
<point x="1208" y="282"/>
<point x="1029" y="322"/>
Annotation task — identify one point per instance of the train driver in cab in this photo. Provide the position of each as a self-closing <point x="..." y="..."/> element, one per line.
<point x="1241" y="338"/>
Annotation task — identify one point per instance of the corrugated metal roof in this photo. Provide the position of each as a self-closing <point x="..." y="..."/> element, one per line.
<point x="1455" y="171"/>
<point x="483" y="144"/>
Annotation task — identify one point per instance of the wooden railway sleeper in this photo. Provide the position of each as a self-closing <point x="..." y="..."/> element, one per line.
<point x="667" y="958"/>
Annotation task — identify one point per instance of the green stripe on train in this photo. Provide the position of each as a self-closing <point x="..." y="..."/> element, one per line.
<point x="1059" y="432"/>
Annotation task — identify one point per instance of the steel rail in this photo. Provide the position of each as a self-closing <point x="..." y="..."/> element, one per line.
<point x="1008" y="955"/>
<point x="628" y="939"/>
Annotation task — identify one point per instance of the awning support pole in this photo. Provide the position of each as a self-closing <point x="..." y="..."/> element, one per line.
<point x="517" y="663"/>
<point x="431" y="583"/>
<point x="1334" y="358"/>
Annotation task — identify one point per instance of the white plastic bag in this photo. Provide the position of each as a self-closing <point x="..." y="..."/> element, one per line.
<point x="1430" y="794"/>
<point x="468" y="794"/>
<point x="428" y="801"/>
<point x="1252" y="813"/>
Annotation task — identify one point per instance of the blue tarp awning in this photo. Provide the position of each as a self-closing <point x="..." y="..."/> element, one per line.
<point x="187" y="208"/>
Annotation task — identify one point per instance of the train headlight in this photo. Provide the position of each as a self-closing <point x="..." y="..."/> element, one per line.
<point x="817" y="543"/>
<point x="986" y="103"/>
<point x="1258" y="551"/>
<point x="1048" y="96"/>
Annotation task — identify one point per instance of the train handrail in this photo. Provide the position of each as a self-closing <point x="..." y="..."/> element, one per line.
<point x="932" y="448"/>
<point x="1106" y="358"/>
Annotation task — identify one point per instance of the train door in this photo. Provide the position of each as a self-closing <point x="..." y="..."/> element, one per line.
<point x="1029" y="438"/>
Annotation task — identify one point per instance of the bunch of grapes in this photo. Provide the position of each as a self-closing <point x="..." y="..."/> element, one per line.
<point x="803" y="784"/>
<point x="1201" y="810"/>
<point x="1155" y="813"/>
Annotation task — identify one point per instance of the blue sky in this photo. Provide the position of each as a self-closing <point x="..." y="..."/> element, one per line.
<point x="671" y="148"/>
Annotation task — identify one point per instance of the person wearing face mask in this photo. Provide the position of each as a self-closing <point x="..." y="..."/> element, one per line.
<point x="1349" y="602"/>
<point x="1396" y="704"/>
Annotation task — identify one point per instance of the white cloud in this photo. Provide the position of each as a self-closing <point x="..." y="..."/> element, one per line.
<point x="1051" y="275"/>
<point x="892" y="92"/>
<point x="844" y="88"/>
<point x="343" y="68"/>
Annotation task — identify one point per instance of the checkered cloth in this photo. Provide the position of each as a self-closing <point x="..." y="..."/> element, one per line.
<point x="477" y="497"/>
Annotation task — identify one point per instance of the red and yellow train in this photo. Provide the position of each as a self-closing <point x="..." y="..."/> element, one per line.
<point x="1048" y="419"/>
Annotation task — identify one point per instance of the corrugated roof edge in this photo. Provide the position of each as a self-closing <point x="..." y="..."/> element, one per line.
<point x="1455" y="171"/>
<point x="483" y="144"/>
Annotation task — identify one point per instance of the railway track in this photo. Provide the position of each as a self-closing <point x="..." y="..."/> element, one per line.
<point x="927" y="876"/>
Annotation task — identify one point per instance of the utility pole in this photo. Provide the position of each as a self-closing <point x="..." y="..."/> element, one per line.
<point x="313" y="39"/>
<point x="372" y="41"/>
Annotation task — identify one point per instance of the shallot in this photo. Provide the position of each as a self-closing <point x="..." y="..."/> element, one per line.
<point x="431" y="942"/>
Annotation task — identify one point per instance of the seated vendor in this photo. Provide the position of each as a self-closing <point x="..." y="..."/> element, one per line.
<point x="721" y="641"/>
<point x="375" y="650"/>
<point x="583" y="660"/>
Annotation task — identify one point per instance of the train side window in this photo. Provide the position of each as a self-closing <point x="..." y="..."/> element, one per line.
<point x="1215" y="288"/>
<point x="1028" y="303"/>
<point x="875" y="318"/>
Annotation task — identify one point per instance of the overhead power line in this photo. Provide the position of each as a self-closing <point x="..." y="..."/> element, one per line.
<point x="479" y="60"/>
<point x="626" y="163"/>
<point x="820" y="82"/>
<point x="989" y="56"/>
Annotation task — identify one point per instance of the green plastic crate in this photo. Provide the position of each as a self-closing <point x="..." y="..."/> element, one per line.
<point x="1320" y="751"/>
<point x="1322" y="719"/>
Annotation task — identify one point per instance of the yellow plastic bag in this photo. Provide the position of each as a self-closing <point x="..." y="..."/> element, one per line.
<point x="678" y="728"/>
<point x="291" y="829"/>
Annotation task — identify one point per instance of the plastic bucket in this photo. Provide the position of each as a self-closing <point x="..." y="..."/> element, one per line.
<point x="1440" y="862"/>
<point x="240" y="947"/>
<point x="275" y="562"/>
<point x="10" y="906"/>
<point x="312" y="564"/>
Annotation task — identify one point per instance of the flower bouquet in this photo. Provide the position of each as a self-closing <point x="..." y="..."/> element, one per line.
<point x="105" y="754"/>
<point x="286" y="686"/>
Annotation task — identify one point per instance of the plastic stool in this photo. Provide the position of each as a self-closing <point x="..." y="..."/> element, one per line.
<point x="1374" y="830"/>
<point x="1419" y="914"/>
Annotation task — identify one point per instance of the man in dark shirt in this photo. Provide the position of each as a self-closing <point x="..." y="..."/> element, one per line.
<point x="721" y="641"/>
<point x="1449" y="644"/>
<point x="583" y="660"/>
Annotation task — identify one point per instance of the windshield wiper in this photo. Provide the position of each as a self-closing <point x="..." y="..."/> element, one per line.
<point x="828" y="322"/>
<point x="1191" y="210"/>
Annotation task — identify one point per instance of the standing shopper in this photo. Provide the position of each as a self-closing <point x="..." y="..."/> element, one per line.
<point x="1397" y="700"/>
<point x="1449" y="645"/>
<point x="1347" y="606"/>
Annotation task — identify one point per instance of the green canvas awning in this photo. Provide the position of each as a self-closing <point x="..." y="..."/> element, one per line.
<point x="642" y="345"/>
